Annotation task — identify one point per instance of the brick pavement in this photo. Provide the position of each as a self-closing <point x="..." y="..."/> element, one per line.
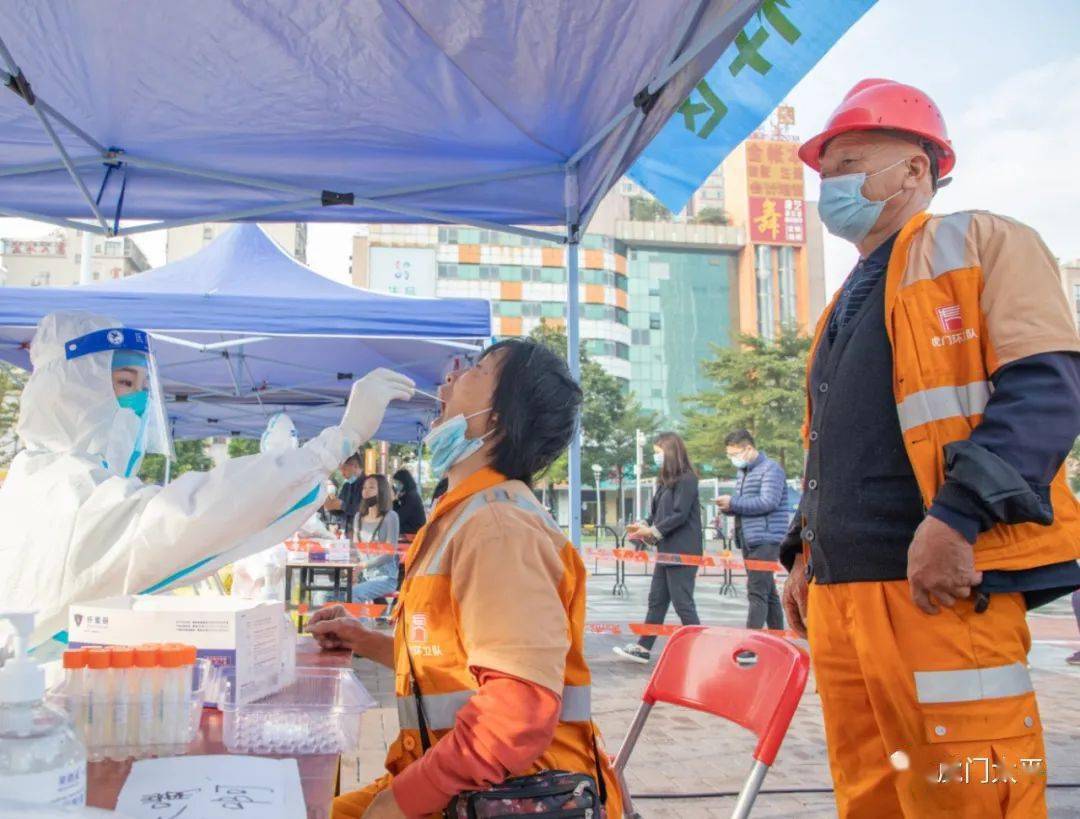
<point x="685" y="751"/>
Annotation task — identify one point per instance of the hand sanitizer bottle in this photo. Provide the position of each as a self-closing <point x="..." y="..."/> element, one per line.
<point x="42" y="761"/>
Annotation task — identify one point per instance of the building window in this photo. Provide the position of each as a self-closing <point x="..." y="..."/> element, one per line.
<point x="763" y="268"/>
<point x="654" y="321"/>
<point x="530" y="274"/>
<point x="207" y="233"/>
<point x="531" y="309"/>
<point x="448" y="236"/>
<point x="639" y="337"/>
<point x="448" y="271"/>
<point x="489" y="272"/>
<point x="507" y="308"/>
<point x="788" y="308"/>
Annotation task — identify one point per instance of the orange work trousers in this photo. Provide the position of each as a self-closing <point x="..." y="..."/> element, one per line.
<point x="926" y="715"/>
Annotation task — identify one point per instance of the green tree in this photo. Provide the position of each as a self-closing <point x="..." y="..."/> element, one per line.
<point x="713" y="216"/>
<point x="190" y="457"/>
<point x="12" y="381"/>
<point x="1072" y="467"/>
<point x="757" y="385"/>
<point x="238" y="447"/>
<point x="647" y="209"/>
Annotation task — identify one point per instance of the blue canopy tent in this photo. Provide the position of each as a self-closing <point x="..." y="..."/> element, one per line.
<point x="493" y="113"/>
<point x="243" y="330"/>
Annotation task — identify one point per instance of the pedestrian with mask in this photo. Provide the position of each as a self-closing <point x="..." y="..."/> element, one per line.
<point x="674" y="524"/>
<point x="762" y="517"/>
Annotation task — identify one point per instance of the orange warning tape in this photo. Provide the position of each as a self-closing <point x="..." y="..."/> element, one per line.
<point x="723" y="560"/>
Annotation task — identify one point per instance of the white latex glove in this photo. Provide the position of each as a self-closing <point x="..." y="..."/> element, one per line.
<point x="368" y="401"/>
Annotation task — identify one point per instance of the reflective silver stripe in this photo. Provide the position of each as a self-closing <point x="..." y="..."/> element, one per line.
<point x="972" y="684"/>
<point x="943" y="402"/>
<point x="441" y="709"/>
<point x="950" y="243"/>
<point x="576" y="703"/>
<point x="432" y="565"/>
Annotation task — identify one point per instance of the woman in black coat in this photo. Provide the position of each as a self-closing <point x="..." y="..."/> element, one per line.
<point x="407" y="503"/>
<point x="674" y="523"/>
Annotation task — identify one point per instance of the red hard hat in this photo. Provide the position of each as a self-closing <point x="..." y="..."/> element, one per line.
<point x="884" y="104"/>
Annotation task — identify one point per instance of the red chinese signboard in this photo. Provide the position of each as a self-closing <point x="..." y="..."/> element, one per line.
<point x="774" y="179"/>
<point x="776" y="221"/>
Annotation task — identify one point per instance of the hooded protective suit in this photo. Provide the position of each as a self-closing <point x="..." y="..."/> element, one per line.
<point x="74" y="529"/>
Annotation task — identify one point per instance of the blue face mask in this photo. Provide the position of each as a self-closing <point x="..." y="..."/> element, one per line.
<point x="351" y="480"/>
<point x="844" y="210"/>
<point x="448" y="444"/>
<point x="135" y="401"/>
<point x="658" y="459"/>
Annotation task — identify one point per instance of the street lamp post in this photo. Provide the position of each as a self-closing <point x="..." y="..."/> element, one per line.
<point x="639" y="438"/>
<point x="596" y="470"/>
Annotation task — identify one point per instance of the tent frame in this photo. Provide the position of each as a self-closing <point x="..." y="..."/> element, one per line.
<point x="639" y="108"/>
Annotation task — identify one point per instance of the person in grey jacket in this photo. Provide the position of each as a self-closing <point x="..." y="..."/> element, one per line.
<point x="674" y="524"/>
<point x="762" y="517"/>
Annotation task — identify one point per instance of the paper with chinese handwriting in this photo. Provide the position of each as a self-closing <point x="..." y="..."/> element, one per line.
<point x="213" y="787"/>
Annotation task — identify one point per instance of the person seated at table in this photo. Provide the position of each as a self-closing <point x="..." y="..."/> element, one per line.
<point x="376" y="522"/>
<point x="407" y="503"/>
<point x="491" y="616"/>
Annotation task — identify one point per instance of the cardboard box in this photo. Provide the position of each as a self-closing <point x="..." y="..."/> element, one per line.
<point x="253" y="636"/>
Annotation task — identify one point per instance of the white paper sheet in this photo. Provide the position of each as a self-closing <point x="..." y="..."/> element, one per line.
<point x="213" y="787"/>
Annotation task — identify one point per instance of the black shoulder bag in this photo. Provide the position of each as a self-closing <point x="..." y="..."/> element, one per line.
<point x="544" y="795"/>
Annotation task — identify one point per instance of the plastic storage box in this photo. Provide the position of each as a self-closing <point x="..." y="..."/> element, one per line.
<point x="317" y="714"/>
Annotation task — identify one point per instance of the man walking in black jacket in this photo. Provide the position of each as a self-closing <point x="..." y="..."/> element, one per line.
<point x="762" y="516"/>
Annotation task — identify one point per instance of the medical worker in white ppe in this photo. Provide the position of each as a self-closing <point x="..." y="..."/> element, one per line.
<point x="76" y="523"/>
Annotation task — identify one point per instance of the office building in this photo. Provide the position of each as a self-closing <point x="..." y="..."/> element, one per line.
<point x="55" y="260"/>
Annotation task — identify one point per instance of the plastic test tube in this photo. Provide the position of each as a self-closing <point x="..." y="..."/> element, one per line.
<point x="74" y="680"/>
<point x="191" y="654"/>
<point x="144" y="705"/>
<point x="98" y="693"/>
<point x="171" y="658"/>
<point x="122" y="660"/>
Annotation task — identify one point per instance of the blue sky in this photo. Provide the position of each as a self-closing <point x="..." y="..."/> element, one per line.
<point x="1005" y="74"/>
<point x="1007" y="78"/>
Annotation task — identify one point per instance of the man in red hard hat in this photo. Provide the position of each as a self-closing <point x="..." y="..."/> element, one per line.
<point x="943" y="396"/>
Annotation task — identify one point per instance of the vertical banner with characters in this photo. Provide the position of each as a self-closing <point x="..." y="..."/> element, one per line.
<point x="779" y="45"/>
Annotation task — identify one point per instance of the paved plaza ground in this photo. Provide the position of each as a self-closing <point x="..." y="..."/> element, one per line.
<point x="685" y="751"/>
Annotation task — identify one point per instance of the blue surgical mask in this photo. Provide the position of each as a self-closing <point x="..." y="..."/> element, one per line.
<point x="739" y="463"/>
<point x="844" y="210"/>
<point x="658" y="459"/>
<point x="448" y="444"/>
<point x="135" y="401"/>
<point x="351" y="480"/>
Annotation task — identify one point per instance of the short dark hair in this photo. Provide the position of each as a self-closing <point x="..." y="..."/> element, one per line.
<point x="535" y="408"/>
<point x="355" y="460"/>
<point x="740" y="437"/>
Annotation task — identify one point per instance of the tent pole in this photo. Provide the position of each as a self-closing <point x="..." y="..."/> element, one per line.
<point x="54" y="165"/>
<point x="51" y="220"/>
<point x="228" y="216"/>
<point x="573" y="343"/>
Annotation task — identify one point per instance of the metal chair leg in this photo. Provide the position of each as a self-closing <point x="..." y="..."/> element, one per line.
<point x="623" y="756"/>
<point x="750" y="790"/>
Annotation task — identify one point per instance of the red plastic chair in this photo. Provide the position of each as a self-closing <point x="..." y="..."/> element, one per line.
<point x="752" y="679"/>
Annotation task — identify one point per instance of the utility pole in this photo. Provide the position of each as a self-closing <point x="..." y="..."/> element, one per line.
<point x="639" y="439"/>
<point x="85" y="276"/>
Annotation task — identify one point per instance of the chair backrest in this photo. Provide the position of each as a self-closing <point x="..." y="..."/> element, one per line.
<point x="711" y="669"/>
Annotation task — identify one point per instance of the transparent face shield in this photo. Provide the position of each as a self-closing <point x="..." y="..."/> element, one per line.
<point x="141" y="424"/>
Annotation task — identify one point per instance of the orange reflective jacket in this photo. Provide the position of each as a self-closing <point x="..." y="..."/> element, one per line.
<point x="492" y="582"/>
<point x="966" y="294"/>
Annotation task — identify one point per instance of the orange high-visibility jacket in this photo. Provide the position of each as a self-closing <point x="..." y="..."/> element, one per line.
<point x="492" y="582"/>
<point x="966" y="294"/>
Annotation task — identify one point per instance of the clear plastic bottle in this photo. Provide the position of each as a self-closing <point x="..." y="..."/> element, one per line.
<point x="42" y="761"/>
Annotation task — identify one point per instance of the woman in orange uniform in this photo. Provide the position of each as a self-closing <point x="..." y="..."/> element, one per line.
<point x="492" y="611"/>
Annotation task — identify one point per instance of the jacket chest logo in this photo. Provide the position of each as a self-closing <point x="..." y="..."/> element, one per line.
<point x="952" y="327"/>
<point x="418" y="632"/>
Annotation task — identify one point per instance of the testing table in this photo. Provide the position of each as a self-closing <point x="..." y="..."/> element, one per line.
<point x="344" y="576"/>
<point x="318" y="772"/>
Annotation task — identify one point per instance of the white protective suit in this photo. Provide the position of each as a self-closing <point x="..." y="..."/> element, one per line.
<point x="74" y="530"/>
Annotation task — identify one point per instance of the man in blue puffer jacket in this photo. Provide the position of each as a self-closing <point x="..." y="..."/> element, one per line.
<point x="762" y="517"/>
